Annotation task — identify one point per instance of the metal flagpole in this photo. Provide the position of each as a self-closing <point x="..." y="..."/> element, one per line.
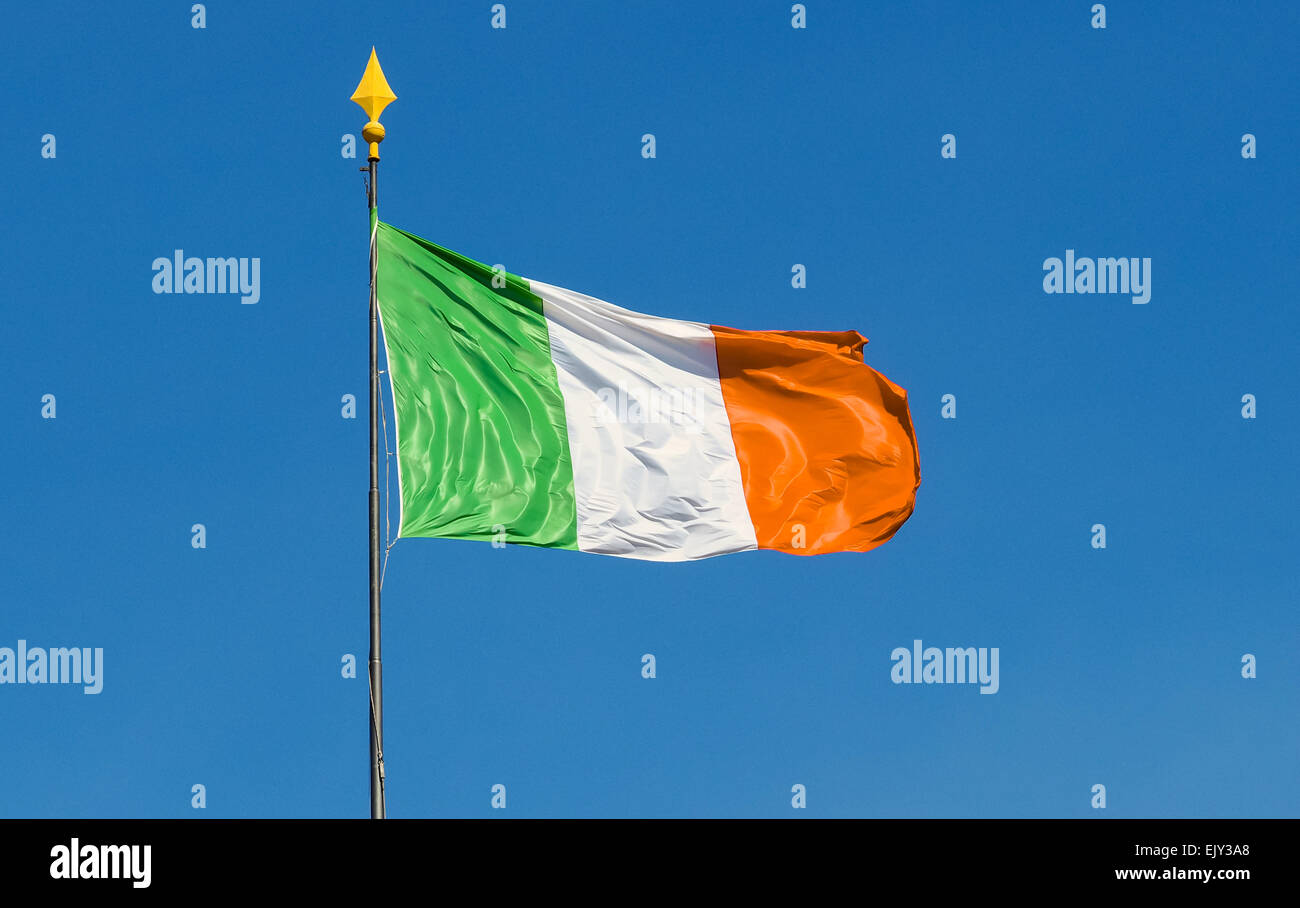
<point x="376" y="660"/>
<point x="373" y="95"/>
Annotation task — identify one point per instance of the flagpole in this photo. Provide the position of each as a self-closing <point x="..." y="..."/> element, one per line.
<point x="376" y="657"/>
<point x="373" y="95"/>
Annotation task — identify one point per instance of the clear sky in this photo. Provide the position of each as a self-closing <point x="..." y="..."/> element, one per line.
<point x="775" y="146"/>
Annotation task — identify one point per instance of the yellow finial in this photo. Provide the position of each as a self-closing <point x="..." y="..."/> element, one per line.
<point x="373" y="95"/>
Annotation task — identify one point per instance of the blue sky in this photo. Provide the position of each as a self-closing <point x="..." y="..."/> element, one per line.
<point x="775" y="146"/>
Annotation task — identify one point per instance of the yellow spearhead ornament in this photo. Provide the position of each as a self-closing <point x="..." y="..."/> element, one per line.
<point x="373" y="95"/>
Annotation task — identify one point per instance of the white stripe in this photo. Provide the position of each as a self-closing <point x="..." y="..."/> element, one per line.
<point x="654" y="465"/>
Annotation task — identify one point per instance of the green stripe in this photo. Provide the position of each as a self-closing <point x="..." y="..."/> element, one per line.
<point x="481" y="436"/>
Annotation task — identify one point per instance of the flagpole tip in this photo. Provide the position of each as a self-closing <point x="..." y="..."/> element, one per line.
<point x="373" y="94"/>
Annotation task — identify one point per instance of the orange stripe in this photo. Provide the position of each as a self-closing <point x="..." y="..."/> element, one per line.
<point x="827" y="453"/>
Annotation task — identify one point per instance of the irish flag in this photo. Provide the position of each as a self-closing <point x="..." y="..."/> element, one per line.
<point x="532" y="414"/>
